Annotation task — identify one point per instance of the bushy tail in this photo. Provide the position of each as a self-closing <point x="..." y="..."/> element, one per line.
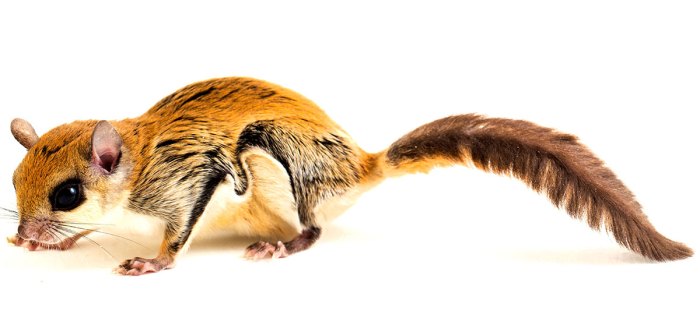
<point x="548" y="161"/>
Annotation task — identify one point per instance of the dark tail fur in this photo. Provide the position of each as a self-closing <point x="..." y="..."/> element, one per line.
<point x="548" y="161"/>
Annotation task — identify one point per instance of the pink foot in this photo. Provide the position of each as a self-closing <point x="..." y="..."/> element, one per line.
<point x="262" y="249"/>
<point x="34" y="245"/>
<point x="139" y="266"/>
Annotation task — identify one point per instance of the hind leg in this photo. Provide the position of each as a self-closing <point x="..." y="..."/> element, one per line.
<point x="272" y="201"/>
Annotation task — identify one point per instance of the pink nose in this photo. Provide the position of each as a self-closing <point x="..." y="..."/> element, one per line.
<point x="22" y="232"/>
<point x="28" y="231"/>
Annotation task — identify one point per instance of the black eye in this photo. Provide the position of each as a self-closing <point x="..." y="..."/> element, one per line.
<point x="67" y="196"/>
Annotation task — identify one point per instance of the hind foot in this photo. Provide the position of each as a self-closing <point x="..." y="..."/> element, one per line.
<point x="262" y="249"/>
<point x="301" y="242"/>
<point x="139" y="266"/>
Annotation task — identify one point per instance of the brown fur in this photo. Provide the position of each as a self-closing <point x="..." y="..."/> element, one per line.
<point x="24" y="133"/>
<point x="288" y="162"/>
<point x="548" y="161"/>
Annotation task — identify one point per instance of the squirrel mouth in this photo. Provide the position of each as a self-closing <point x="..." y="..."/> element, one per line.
<point x="37" y="233"/>
<point x="42" y="241"/>
<point x="55" y="243"/>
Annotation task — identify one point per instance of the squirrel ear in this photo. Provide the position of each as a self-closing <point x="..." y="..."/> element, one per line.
<point x="24" y="133"/>
<point x="106" y="147"/>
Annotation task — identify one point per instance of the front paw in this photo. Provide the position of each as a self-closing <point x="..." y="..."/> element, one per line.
<point x="31" y="245"/>
<point x="16" y="240"/>
<point x="139" y="266"/>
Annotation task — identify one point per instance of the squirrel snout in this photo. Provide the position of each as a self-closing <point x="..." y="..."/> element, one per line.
<point x="33" y="230"/>
<point x="24" y="232"/>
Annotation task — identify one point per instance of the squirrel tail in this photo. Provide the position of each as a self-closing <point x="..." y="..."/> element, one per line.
<point x="550" y="162"/>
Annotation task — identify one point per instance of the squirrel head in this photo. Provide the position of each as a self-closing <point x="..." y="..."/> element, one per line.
<point x="73" y="174"/>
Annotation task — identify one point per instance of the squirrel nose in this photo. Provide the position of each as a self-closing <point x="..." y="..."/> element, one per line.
<point x="22" y="231"/>
<point x="27" y="232"/>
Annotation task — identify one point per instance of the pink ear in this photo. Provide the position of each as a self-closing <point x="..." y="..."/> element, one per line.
<point x="106" y="147"/>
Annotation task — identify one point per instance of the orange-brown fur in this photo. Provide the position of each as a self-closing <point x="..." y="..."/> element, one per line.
<point x="285" y="163"/>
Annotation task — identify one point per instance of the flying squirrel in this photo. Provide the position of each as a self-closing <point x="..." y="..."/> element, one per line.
<point x="279" y="169"/>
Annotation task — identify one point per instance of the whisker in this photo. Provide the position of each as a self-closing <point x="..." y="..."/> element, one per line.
<point x="100" y="246"/>
<point x="65" y="231"/>
<point x="56" y="237"/>
<point x="81" y="223"/>
<point x="9" y="214"/>
<point x="102" y="232"/>
<point x="62" y="230"/>
<point x="68" y="235"/>
<point x="13" y="212"/>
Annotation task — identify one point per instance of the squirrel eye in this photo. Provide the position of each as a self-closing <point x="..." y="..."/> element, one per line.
<point x="67" y="196"/>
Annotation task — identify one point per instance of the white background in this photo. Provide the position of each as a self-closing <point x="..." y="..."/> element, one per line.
<point x="622" y="75"/>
